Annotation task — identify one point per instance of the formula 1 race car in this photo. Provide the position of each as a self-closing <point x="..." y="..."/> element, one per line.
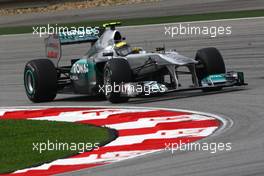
<point x="114" y="69"/>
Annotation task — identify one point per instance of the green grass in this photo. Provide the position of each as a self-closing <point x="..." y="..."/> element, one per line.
<point x="17" y="138"/>
<point x="143" y="21"/>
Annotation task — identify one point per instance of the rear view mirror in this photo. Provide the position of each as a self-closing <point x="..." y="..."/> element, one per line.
<point x="108" y="54"/>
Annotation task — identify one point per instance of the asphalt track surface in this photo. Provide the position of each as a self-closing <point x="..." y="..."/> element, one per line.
<point x="243" y="108"/>
<point x="151" y="9"/>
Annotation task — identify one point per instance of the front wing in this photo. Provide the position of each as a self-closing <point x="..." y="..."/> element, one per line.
<point x="147" y="88"/>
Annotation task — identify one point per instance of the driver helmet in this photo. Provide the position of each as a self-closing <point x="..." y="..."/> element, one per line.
<point x="120" y="44"/>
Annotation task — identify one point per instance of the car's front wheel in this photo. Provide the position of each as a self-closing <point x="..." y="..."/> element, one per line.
<point x="40" y="80"/>
<point x="210" y="62"/>
<point x="116" y="71"/>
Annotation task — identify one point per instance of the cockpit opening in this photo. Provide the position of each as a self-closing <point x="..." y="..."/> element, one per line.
<point x="123" y="49"/>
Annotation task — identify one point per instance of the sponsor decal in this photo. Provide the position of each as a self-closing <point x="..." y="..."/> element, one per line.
<point x="80" y="68"/>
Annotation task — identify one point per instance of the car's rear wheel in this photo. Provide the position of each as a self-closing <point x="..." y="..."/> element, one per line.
<point x="40" y="80"/>
<point x="116" y="71"/>
<point x="210" y="62"/>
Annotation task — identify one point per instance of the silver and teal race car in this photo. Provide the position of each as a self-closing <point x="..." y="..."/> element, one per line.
<point x="114" y="69"/>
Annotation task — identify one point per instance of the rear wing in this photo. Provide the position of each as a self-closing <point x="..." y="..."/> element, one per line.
<point x="54" y="42"/>
<point x="81" y="36"/>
